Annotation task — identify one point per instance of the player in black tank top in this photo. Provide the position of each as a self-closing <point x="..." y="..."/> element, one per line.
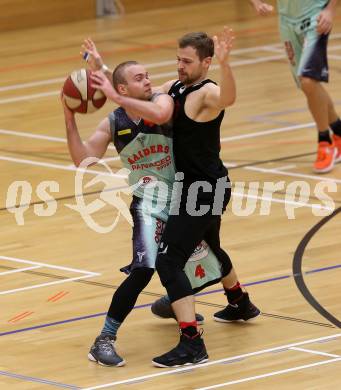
<point x="196" y="152"/>
<point x="196" y="144"/>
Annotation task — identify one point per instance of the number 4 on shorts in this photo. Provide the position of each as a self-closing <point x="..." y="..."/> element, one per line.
<point x="200" y="272"/>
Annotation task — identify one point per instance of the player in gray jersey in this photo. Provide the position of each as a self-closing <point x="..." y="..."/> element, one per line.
<point x="304" y="27"/>
<point x="145" y="148"/>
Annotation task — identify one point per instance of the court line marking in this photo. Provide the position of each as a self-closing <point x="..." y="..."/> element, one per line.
<point x="266" y="132"/>
<point x="224" y="360"/>
<point x="224" y="139"/>
<point x="40" y="136"/>
<point x="19" y="270"/>
<point x="315" y="352"/>
<point x="88" y="274"/>
<point x="285" y="167"/>
<point x="60" y="267"/>
<point x="293" y="174"/>
<point x="269" y="374"/>
<point x="90" y="316"/>
<point x="37" y="380"/>
<point x="71" y="168"/>
<point x="283" y="201"/>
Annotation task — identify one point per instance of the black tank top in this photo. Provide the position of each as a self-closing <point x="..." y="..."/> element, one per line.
<point x="196" y="144"/>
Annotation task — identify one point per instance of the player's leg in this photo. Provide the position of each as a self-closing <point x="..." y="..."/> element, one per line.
<point x="312" y="70"/>
<point x="335" y="126"/>
<point x="202" y="269"/>
<point x="181" y="236"/>
<point x="140" y="272"/>
<point x="239" y="305"/>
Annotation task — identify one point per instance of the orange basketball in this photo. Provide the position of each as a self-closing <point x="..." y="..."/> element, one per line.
<point x="79" y="95"/>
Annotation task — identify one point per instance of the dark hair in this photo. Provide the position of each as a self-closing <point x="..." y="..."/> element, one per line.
<point x="200" y="41"/>
<point x="118" y="73"/>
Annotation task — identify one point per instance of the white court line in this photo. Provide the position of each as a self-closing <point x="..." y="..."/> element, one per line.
<point x="19" y="270"/>
<point x="272" y="373"/>
<point x="32" y="84"/>
<point x="39" y="136"/>
<point x="292" y="174"/>
<point x="44" y="284"/>
<point x="29" y="97"/>
<point x="315" y="352"/>
<point x="49" y="265"/>
<point x="275" y="200"/>
<point x="266" y="132"/>
<point x="225" y="139"/>
<point x="214" y="362"/>
<point x="285" y="167"/>
<point x="88" y="274"/>
<point x="32" y="135"/>
<point x="60" y="166"/>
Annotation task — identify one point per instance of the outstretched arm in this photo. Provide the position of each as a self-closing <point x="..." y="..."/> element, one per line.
<point x="158" y="111"/>
<point x="262" y="8"/>
<point x="95" y="146"/>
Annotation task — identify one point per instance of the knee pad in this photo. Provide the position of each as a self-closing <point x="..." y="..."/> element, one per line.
<point x="226" y="264"/>
<point x="169" y="262"/>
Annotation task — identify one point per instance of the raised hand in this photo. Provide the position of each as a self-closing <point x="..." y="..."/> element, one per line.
<point x="90" y="54"/>
<point x="100" y="81"/>
<point x="223" y="45"/>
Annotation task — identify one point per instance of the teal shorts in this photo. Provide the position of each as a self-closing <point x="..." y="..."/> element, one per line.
<point x="202" y="268"/>
<point x="305" y="48"/>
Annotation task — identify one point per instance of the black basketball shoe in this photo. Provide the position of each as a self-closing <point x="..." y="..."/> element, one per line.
<point x="190" y="350"/>
<point x="243" y="310"/>
<point x="103" y="352"/>
<point x="162" y="308"/>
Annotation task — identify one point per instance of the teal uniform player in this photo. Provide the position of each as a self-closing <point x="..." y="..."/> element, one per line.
<point x="146" y="150"/>
<point x="305" y="26"/>
<point x="305" y="47"/>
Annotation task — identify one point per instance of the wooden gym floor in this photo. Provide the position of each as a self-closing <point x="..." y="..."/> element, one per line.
<point x="58" y="275"/>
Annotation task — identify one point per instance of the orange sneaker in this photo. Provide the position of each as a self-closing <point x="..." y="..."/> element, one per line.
<point x="337" y="142"/>
<point x="326" y="155"/>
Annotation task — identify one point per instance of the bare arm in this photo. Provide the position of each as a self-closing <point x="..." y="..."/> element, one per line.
<point x="262" y="8"/>
<point x="95" y="146"/>
<point x="158" y="111"/>
<point x="326" y="18"/>
<point x="224" y="96"/>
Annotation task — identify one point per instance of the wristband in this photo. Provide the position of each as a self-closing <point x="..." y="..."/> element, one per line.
<point x="104" y="68"/>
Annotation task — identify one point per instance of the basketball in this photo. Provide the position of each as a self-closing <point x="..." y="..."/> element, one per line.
<point x="79" y="95"/>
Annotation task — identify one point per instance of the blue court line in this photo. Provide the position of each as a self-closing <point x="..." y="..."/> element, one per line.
<point x="38" y="380"/>
<point x="149" y="304"/>
<point x="272" y="279"/>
